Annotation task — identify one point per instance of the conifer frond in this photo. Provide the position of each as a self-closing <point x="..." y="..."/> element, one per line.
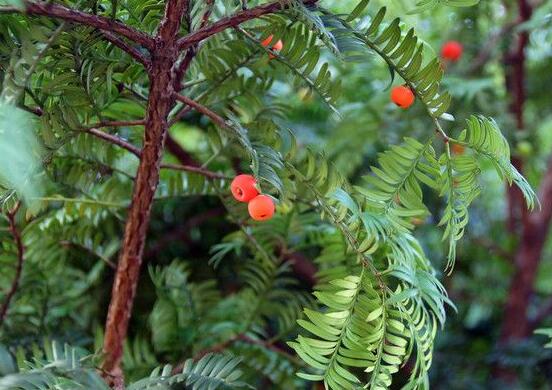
<point x="213" y="371"/>
<point x="302" y="55"/>
<point x="459" y="184"/>
<point x="52" y="366"/>
<point x="339" y="341"/>
<point x="394" y="188"/>
<point x="426" y="5"/>
<point x="483" y="135"/>
<point x="403" y="53"/>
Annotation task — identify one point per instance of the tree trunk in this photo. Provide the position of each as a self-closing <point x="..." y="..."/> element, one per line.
<point x="147" y="177"/>
<point x="160" y="102"/>
<point x="516" y="323"/>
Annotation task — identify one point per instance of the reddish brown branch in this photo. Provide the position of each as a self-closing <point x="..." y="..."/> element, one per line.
<point x="192" y="51"/>
<point x="139" y="122"/>
<point x="20" y="260"/>
<point x="216" y="118"/>
<point x="233" y="21"/>
<point x="101" y="23"/>
<point x="130" y="50"/>
<point x="113" y="139"/>
<point x="194" y="169"/>
<point x="176" y="150"/>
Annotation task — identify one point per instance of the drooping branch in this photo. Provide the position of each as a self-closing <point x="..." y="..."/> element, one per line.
<point x="20" y="260"/>
<point x="235" y="20"/>
<point x="101" y="23"/>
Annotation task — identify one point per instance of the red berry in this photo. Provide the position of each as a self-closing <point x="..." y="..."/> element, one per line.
<point x="458" y="149"/>
<point x="402" y="96"/>
<point x="278" y="46"/>
<point x="261" y="208"/>
<point x="452" y="50"/>
<point x="244" y="188"/>
<point x="267" y="41"/>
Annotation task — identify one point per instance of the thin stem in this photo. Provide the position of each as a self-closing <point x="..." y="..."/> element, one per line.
<point x="140" y="122"/>
<point x="85" y="248"/>
<point x="20" y="260"/>
<point x="130" y="50"/>
<point x="216" y="118"/>
<point x="80" y="200"/>
<point x="113" y="139"/>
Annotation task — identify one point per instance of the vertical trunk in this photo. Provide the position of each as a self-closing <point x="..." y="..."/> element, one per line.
<point x="147" y="177"/>
<point x="160" y="102"/>
<point x="515" y="83"/>
<point x="516" y="323"/>
<point x="528" y="253"/>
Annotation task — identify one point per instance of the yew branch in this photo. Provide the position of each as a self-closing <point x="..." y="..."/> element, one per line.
<point x="235" y="20"/>
<point x="71" y="15"/>
<point x="118" y="141"/>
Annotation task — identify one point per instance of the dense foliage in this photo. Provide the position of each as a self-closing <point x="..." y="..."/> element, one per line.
<point x="347" y="284"/>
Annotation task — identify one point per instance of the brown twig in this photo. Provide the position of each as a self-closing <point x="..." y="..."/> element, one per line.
<point x="139" y="122"/>
<point x="192" y="51"/>
<point x="20" y="260"/>
<point x="130" y="50"/>
<point x="67" y="244"/>
<point x="102" y="23"/>
<point x="235" y="20"/>
<point x="113" y="139"/>
<point x="216" y="118"/>
<point x="194" y="169"/>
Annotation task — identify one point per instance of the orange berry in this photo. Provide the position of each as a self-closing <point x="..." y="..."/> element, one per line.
<point x="261" y="208"/>
<point x="402" y="96"/>
<point x="417" y="221"/>
<point x="458" y="149"/>
<point x="278" y="46"/>
<point x="452" y="50"/>
<point x="267" y="41"/>
<point x="244" y="188"/>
